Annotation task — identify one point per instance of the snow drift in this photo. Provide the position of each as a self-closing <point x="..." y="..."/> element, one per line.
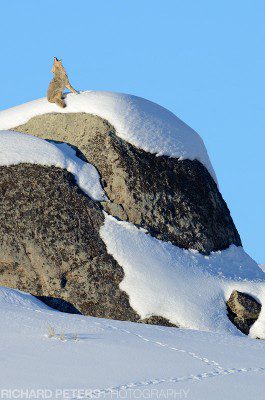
<point x="184" y="286"/>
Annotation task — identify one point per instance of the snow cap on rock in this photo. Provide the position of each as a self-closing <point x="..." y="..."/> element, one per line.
<point x="141" y="122"/>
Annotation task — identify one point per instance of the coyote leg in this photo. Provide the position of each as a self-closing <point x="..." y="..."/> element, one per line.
<point x="60" y="102"/>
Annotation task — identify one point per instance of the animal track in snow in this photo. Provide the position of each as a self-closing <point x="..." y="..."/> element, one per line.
<point x="189" y="353"/>
<point x="199" y="377"/>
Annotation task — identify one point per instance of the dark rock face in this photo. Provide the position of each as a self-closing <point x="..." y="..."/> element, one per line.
<point x="174" y="200"/>
<point x="243" y="310"/>
<point x="50" y="244"/>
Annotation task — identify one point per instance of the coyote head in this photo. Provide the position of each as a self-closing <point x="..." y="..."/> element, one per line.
<point x="57" y="65"/>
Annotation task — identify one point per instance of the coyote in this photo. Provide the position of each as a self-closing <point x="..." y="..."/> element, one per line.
<point x="58" y="84"/>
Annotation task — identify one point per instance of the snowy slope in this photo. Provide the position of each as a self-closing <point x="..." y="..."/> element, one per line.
<point x="113" y="359"/>
<point x="142" y="123"/>
<point x="184" y="286"/>
<point x="16" y="148"/>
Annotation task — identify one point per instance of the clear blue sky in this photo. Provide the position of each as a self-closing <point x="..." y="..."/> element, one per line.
<point x="204" y="60"/>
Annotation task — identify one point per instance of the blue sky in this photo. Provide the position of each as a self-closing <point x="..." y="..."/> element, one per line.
<point x="204" y="60"/>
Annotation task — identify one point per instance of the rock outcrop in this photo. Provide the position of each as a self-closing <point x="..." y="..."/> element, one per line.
<point x="177" y="201"/>
<point x="49" y="229"/>
<point x="243" y="310"/>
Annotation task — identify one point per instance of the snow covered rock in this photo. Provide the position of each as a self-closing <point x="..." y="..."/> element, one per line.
<point x="141" y="122"/>
<point x="140" y="164"/>
<point x="175" y="200"/>
<point x="243" y="310"/>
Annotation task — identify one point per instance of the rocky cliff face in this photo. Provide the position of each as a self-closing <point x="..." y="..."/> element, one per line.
<point x="49" y="229"/>
<point x="174" y="200"/>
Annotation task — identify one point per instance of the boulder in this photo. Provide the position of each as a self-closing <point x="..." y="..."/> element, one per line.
<point x="243" y="310"/>
<point x="174" y="200"/>
<point x="50" y="244"/>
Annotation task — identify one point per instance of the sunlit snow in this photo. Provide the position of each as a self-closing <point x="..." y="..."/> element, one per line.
<point x="184" y="286"/>
<point x="141" y="122"/>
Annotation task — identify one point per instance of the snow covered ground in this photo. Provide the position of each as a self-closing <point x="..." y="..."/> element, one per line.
<point x="142" y="123"/>
<point x="114" y="359"/>
<point x="16" y="148"/>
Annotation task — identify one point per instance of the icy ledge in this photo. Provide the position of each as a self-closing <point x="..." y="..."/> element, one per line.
<point x="17" y="148"/>
<point x="183" y="286"/>
<point x="140" y="122"/>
